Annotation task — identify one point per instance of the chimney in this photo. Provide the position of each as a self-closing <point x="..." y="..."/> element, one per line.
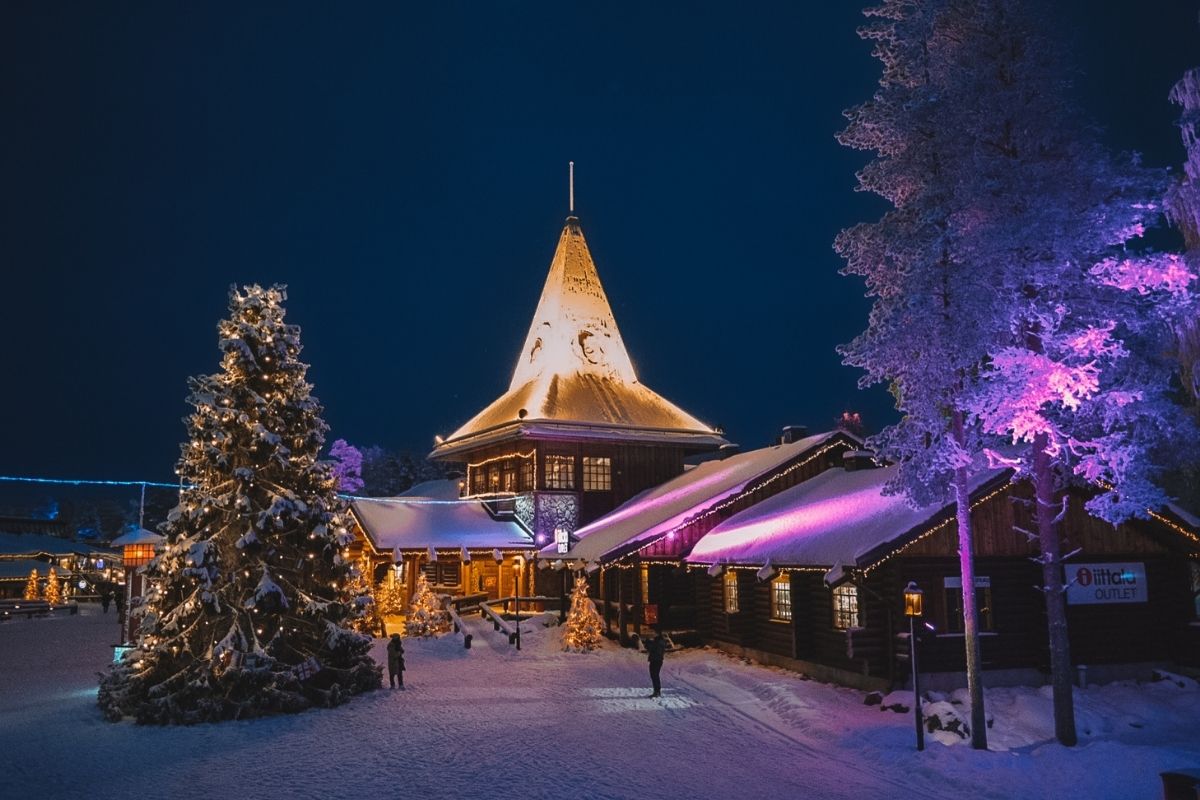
<point x="854" y="460"/>
<point x="793" y="433"/>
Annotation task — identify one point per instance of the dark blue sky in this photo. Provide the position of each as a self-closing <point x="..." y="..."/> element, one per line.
<point x="402" y="167"/>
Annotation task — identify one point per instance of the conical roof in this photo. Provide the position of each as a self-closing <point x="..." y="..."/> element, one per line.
<point x="574" y="370"/>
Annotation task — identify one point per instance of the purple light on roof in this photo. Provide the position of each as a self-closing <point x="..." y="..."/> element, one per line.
<point x="541" y="538"/>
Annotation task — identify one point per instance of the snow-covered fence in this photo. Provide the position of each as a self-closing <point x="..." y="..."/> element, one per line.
<point x="458" y="625"/>
<point x="498" y="622"/>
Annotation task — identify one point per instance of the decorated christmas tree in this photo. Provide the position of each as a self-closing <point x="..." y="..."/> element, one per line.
<point x="389" y="597"/>
<point x="365" y="618"/>
<point x="583" y="630"/>
<point x="54" y="594"/>
<point x="31" y="586"/>
<point x="426" y="616"/>
<point x="246" y="609"/>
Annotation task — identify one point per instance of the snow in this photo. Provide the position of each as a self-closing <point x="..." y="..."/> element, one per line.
<point x="140" y="536"/>
<point x="418" y="523"/>
<point x="837" y="517"/>
<point x="656" y="511"/>
<point x="1185" y="515"/>
<point x="493" y="722"/>
<point x="574" y="366"/>
<point x="443" y="489"/>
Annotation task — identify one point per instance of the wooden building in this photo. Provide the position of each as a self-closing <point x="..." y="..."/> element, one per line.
<point x="812" y="578"/>
<point x="636" y="552"/>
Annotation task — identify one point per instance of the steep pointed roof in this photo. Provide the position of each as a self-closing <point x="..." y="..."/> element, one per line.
<point x="573" y="375"/>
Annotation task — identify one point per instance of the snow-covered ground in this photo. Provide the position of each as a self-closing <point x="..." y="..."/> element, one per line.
<point x="493" y="723"/>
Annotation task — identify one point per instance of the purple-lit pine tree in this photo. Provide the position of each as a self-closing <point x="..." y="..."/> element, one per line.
<point x="246" y="609"/>
<point x="934" y="317"/>
<point x="347" y="466"/>
<point x="1183" y="209"/>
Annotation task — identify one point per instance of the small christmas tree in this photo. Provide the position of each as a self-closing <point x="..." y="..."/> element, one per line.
<point x="365" y="618"/>
<point x="389" y="597"/>
<point x="31" y="586"/>
<point x="583" y="630"/>
<point x="426" y="616"/>
<point x="54" y="595"/>
<point x="246" y="609"/>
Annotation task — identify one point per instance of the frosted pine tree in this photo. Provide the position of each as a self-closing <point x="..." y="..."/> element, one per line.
<point x="245" y="610"/>
<point x="425" y="615"/>
<point x="584" y="628"/>
<point x="347" y="466"/>
<point x="1183" y="208"/>
<point x="31" y="586"/>
<point x="53" y="594"/>
<point x="365" y="617"/>
<point x="934" y="316"/>
<point x="1049" y="225"/>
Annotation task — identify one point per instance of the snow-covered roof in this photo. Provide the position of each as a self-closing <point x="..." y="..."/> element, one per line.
<point x="21" y="567"/>
<point x="837" y="517"/>
<point x="15" y="544"/>
<point x="656" y="511"/>
<point x="416" y="523"/>
<point x="140" y="536"/>
<point x="574" y="367"/>
<point x="443" y="489"/>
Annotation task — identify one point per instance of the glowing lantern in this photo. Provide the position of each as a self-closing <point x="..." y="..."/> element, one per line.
<point x="914" y="600"/>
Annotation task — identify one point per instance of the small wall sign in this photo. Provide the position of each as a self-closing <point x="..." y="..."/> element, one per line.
<point x="1106" y="583"/>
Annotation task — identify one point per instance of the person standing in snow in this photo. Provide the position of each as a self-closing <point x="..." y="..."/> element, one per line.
<point x="105" y="599"/>
<point x="656" y="648"/>
<point x="119" y="596"/>
<point x="395" y="653"/>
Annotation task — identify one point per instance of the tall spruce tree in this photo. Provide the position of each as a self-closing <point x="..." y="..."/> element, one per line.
<point x="245" y="612"/>
<point x="933" y="318"/>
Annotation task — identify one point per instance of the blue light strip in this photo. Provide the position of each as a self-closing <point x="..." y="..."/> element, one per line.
<point x="83" y="482"/>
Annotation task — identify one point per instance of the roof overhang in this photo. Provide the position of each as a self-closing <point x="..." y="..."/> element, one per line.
<point x="568" y="431"/>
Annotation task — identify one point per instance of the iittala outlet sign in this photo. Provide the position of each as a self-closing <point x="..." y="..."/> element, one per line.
<point x="1106" y="583"/>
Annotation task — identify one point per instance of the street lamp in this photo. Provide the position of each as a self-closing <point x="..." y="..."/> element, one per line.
<point x="914" y="606"/>
<point x="517" y="564"/>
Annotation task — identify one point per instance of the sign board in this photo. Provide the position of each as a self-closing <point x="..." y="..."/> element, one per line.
<point x="955" y="582"/>
<point x="562" y="538"/>
<point x="1106" y="583"/>
<point x="650" y="614"/>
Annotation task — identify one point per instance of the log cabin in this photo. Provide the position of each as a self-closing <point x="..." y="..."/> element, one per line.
<point x="812" y="579"/>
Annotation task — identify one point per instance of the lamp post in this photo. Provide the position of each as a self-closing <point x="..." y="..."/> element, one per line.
<point x="913" y="608"/>
<point x="517" y="564"/>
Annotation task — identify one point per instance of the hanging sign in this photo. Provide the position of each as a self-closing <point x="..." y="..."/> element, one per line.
<point x="1106" y="583"/>
<point x="562" y="538"/>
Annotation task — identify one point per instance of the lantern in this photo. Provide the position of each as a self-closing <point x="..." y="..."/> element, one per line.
<point x="913" y="600"/>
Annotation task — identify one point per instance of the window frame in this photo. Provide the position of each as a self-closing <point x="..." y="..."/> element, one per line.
<point x="560" y="471"/>
<point x="781" y="598"/>
<point x="729" y="592"/>
<point x="846" y="615"/>
<point x="597" y="473"/>
<point x="952" y="621"/>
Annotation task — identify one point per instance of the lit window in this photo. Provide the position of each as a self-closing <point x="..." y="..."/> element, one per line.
<point x="526" y="483"/>
<point x="560" y="472"/>
<point x="478" y="481"/>
<point x="845" y="607"/>
<point x="508" y="476"/>
<point x="731" y="592"/>
<point x="494" y="478"/>
<point x="781" y="598"/>
<point x="597" y="473"/>
<point x="645" y="584"/>
<point x="954" y="603"/>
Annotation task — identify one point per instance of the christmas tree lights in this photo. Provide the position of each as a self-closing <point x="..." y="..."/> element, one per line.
<point x="583" y="629"/>
<point x="247" y="606"/>
<point x="53" y="594"/>
<point x="426" y="617"/>
<point x="31" y="586"/>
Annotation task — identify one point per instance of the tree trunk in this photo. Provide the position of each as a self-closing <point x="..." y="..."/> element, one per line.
<point x="1055" y="592"/>
<point x="966" y="560"/>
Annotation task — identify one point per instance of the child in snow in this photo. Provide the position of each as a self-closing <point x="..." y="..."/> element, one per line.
<point x="656" y="649"/>
<point x="395" y="652"/>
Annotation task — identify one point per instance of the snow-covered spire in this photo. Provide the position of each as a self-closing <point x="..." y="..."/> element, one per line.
<point x="574" y="367"/>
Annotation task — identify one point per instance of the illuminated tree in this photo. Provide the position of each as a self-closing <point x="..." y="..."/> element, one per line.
<point x="347" y="466"/>
<point x="365" y="618"/>
<point x="389" y="597"/>
<point x="584" y="628"/>
<point x="426" y="617"/>
<point x="53" y="594"/>
<point x="246" y="608"/>
<point x="31" y="586"/>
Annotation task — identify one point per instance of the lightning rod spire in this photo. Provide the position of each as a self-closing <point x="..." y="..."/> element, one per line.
<point x="571" y="182"/>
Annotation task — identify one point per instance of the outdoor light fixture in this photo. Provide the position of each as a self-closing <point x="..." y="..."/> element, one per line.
<point x="913" y="608"/>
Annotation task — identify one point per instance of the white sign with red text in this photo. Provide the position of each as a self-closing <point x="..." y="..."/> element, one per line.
<point x="1106" y="583"/>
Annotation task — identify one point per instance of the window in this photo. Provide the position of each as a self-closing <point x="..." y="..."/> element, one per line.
<point x="954" y="604"/>
<point x="781" y="598"/>
<point x="597" y="473"/>
<point x="731" y="592"/>
<point x="526" y="480"/>
<point x="440" y="573"/>
<point x="478" y="481"/>
<point x="508" y="476"/>
<point x="494" y="478"/>
<point x="845" y="607"/>
<point x="560" y="472"/>
<point x="645" y="584"/>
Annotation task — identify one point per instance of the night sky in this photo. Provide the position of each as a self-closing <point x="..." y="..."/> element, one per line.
<point x="403" y="168"/>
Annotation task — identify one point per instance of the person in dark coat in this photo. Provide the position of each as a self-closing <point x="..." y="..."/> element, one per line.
<point x="120" y="598"/>
<point x="395" y="652"/>
<point x="105" y="599"/>
<point x="656" y="648"/>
